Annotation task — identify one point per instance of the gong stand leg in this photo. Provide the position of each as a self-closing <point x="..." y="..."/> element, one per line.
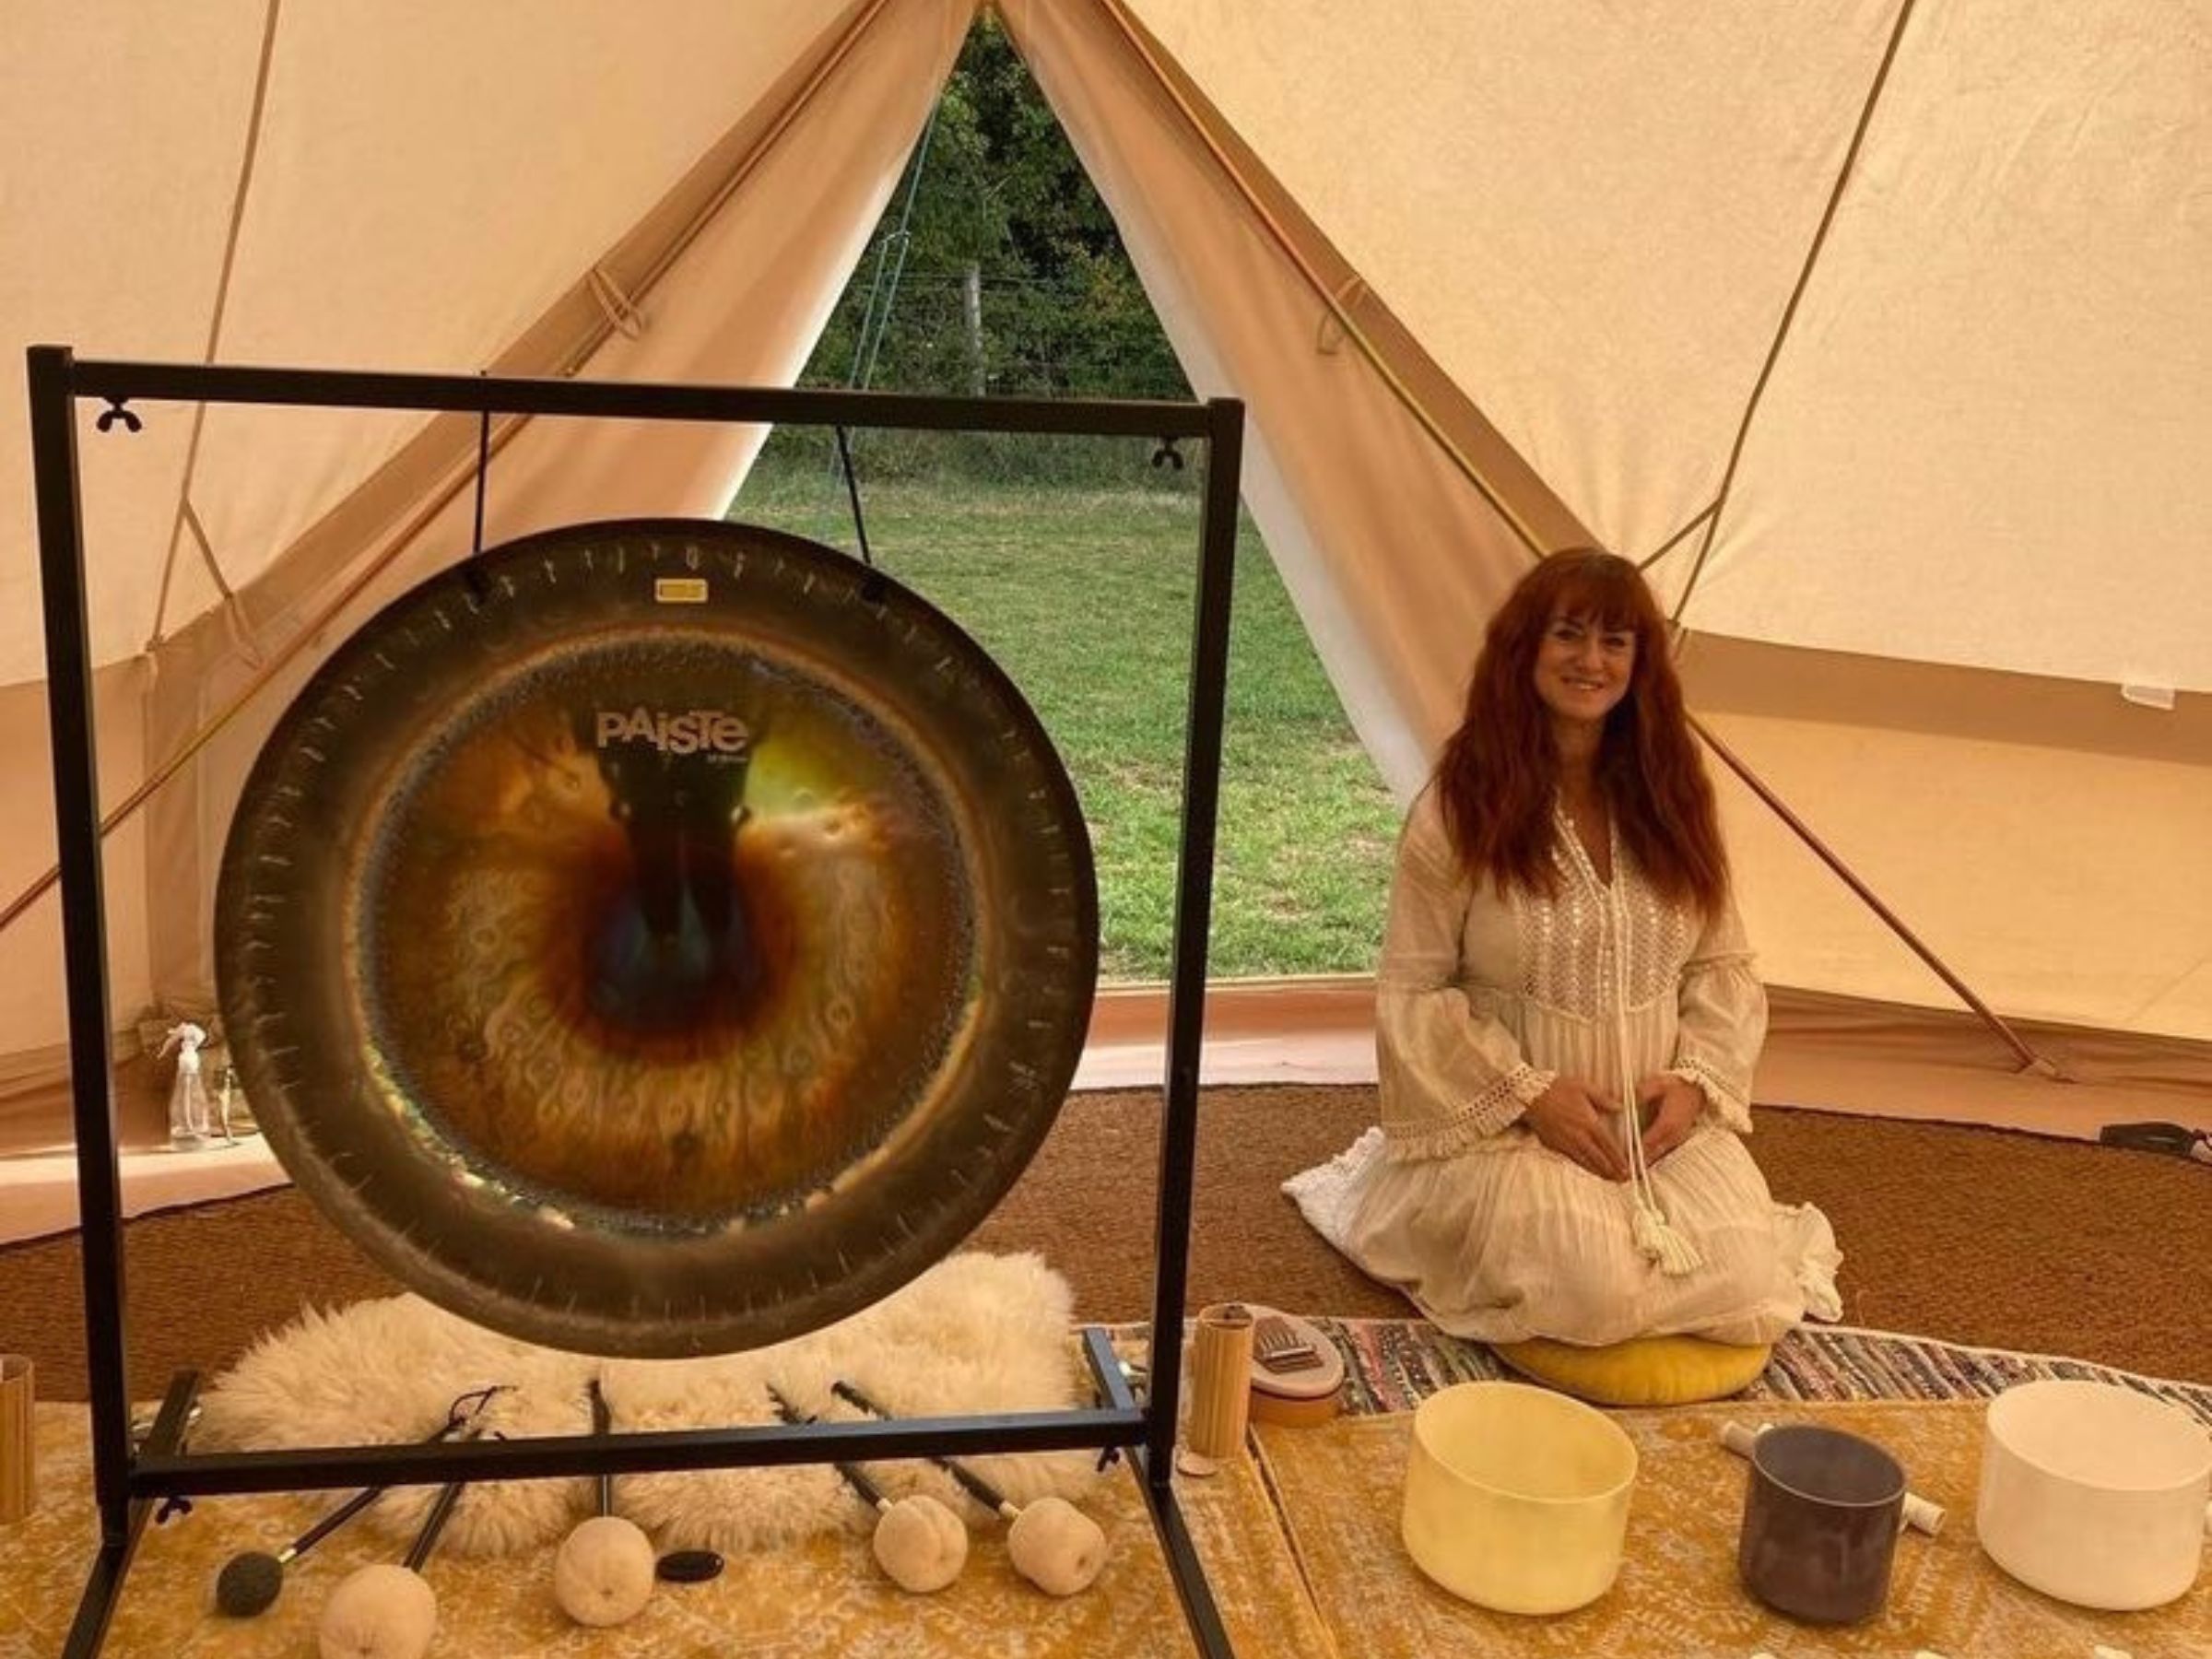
<point x="103" y="1587"/>
<point x="1184" y="1565"/>
<point x="1193" y="907"/>
<point x="1187" y="1021"/>
<point x="50" y="375"/>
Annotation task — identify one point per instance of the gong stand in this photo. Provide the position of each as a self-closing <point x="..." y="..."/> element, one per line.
<point x="131" y="1478"/>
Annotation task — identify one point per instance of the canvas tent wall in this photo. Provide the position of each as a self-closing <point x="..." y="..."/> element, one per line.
<point x="1887" y="322"/>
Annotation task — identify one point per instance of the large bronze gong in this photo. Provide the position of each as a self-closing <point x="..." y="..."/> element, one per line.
<point x="657" y="937"/>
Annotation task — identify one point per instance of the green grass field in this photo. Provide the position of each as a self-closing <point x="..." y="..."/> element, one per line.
<point x="1084" y="596"/>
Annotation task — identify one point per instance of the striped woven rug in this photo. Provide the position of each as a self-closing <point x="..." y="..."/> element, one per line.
<point x="1394" y="1364"/>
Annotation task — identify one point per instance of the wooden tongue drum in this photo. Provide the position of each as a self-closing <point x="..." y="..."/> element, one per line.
<point x="657" y="938"/>
<point x="1297" y="1374"/>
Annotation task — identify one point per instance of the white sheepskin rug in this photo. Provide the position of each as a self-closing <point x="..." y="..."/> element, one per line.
<point x="386" y="1372"/>
<point x="974" y="1334"/>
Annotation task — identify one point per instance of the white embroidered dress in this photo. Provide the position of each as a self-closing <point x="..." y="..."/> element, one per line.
<point x="1481" y="1000"/>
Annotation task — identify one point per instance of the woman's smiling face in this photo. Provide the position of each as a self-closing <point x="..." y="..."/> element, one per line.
<point x="1582" y="668"/>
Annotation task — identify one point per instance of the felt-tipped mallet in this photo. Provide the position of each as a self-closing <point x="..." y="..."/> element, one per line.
<point x="919" y="1543"/>
<point x="603" y="1571"/>
<point x="387" y="1612"/>
<point x="1051" y="1543"/>
<point x="251" y="1581"/>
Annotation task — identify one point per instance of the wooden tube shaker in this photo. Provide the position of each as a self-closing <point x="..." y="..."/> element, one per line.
<point x="1220" y="1386"/>
<point x="18" y="1439"/>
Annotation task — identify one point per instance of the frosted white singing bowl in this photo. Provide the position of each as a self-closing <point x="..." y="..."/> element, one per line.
<point x="1516" y="1498"/>
<point x="2094" y="1494"/>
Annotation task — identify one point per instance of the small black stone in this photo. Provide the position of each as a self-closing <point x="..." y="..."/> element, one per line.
<point x="689" y="1566"/>
<point x="248" y="1584"/>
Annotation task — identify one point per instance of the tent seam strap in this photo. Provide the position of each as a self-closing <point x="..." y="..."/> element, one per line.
<point x="215" y="322"/>
<point x="1797" y="292"/>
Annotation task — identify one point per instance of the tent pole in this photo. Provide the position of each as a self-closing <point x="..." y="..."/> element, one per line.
<point x="2030" y="1060"/>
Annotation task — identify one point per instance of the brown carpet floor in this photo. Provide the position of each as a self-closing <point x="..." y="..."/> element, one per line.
<point x="1976" y="1235"/>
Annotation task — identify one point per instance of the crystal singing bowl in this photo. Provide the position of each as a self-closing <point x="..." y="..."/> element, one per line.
<point x="2094" y="1494"/>
<point x="1516" y="1498"/>
<point x="657" y="937"/>
<point x="1822" y="1512"/>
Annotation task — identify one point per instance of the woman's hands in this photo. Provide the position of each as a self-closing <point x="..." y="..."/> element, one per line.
<point x="1580" y="1125"/>
<point x="1580" y="1122"/>
<point x="1674" y="1105"/>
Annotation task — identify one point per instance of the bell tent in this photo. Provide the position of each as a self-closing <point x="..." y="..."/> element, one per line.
<point x="1877" y="331"/>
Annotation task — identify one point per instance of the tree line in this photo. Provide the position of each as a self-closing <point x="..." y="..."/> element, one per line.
<point x="997" y="271"/>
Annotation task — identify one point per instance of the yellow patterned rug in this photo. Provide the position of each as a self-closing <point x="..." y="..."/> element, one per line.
<point x="825" y="1597"/>
<point x="1301" y="1549"/>
<point x="1338" y="1489"/>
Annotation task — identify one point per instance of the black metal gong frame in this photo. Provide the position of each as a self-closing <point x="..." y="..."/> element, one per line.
<point x="130" y="1479"/>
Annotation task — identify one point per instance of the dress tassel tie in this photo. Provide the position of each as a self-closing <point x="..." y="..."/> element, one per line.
<point x="1656" y="1237"/>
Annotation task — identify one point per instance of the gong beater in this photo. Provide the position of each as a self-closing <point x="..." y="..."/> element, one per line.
<point x="657" y="937"/>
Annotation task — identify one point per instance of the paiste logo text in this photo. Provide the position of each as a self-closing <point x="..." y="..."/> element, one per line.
<point x="695" y="732"/>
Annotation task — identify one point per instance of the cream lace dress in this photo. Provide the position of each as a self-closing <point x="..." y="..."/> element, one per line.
<point x="1481" y="1000"/>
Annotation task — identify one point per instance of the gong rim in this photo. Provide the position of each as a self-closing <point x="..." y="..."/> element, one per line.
<point x="359" y="1117"/>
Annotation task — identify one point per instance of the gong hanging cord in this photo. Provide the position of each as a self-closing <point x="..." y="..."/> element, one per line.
<point x="860" y="526"/>
<point x="476" y="540"/>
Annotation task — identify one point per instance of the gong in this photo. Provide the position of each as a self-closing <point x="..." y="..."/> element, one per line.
<point x="657" y="937"/>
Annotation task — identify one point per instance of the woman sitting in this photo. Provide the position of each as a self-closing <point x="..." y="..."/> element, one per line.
<point x="1567" y="1017"/>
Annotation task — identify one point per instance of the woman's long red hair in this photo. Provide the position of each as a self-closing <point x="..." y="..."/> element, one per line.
<point x="1499" y="771"/>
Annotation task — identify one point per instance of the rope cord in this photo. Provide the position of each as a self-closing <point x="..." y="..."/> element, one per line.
<point x="874" y="325"/>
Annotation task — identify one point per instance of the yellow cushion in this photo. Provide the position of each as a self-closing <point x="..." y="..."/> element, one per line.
<point x="1647" y="1370"/>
